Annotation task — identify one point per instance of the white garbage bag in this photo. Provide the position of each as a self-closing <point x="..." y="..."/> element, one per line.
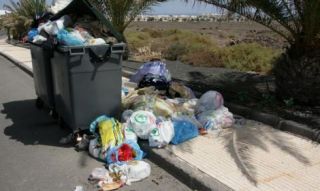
<point x="161" y="135"/>
<point x="142" y="122"/>
<point x="132" y="171"/>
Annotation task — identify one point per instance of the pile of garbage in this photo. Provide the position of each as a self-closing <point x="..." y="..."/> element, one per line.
<point x="159" y="111"/>
<point x="69" y="30"/>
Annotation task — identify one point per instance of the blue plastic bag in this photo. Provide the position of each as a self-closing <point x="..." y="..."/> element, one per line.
<point x="155" y="68"/>
<point x="113" y="153"/>
<point x="32" y="33"/>
<point x="66" y="38"/>
<point x="184" y="129"/>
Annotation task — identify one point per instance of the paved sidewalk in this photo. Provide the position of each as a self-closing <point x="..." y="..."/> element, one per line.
<point x="250" y="156"/>
<point x="20" y="55"/>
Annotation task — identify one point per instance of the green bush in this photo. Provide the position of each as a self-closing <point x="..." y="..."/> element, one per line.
<point x="249" y="57"/>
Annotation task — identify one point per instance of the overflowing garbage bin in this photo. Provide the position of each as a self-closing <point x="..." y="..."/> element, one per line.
<point x="42" y="76"/>
<point x="79" y="77"/>
<point x="87" y="83"/>
<point x="86" y="74"/>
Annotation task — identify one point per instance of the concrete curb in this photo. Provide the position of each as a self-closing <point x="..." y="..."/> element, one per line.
<point x="269" y="119"/>
<point x="19" y="64"/>
<point x="276" y="122"/>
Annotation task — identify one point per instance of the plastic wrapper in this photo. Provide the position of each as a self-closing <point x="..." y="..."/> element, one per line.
<point x="177" y="89"/>
<point x="125" y="152"/>
<point x="216" y="119"/>
<point x="142" y="122"/>
<point x="158" y="106"/>
<point x="155" y="68"/>
<point x="99" y="173"/>
<point x="184" y="130"/>
<point x="162" y="134"/>
<point x="211" y="100"/>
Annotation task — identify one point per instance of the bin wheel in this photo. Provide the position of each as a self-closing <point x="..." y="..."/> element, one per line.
<point x="39" y="103"/>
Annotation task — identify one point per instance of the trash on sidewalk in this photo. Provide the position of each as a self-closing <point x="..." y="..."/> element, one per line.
<point x="153" y="67"/>
<point x="127" y="151"/>
<point x="216" y="119"/>
<point x="210" y="100"/>
<point x="142" y="122"/>
<point x="184" y="129"/>
<point x="161" y="135"/>
<point x="118" y="175"/>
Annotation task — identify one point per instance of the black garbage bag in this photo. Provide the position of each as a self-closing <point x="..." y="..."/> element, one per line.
<point x="159" y="82"/>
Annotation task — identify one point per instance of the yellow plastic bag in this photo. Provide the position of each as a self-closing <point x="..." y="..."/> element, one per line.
<point x="110" y="131"/>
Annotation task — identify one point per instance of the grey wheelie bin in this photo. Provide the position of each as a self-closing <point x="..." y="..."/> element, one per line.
<point x="42" y="76"/>
<point x="87" y="83"/>
<point x="87" y="80"/>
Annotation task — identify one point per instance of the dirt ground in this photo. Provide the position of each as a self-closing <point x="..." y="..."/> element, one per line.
<point x="224" y="33"/>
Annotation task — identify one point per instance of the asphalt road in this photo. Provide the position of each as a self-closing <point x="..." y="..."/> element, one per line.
<point x="31" y="158"/>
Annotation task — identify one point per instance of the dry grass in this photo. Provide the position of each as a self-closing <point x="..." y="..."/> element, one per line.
<point x="199" y="50"/>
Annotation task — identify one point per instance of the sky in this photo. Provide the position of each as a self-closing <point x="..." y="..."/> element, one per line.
<point x="171" y="7"/>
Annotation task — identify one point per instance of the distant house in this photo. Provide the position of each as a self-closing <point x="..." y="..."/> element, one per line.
<point x="3" y="12"/>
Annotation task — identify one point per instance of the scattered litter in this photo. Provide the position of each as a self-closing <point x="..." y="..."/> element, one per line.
<point x="78" y="188"/>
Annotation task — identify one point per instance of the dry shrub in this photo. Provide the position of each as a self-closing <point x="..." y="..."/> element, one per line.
<point x="205" y="58"/>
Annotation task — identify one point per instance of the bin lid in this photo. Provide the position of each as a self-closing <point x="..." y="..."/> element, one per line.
<point x="83" y="7"/>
